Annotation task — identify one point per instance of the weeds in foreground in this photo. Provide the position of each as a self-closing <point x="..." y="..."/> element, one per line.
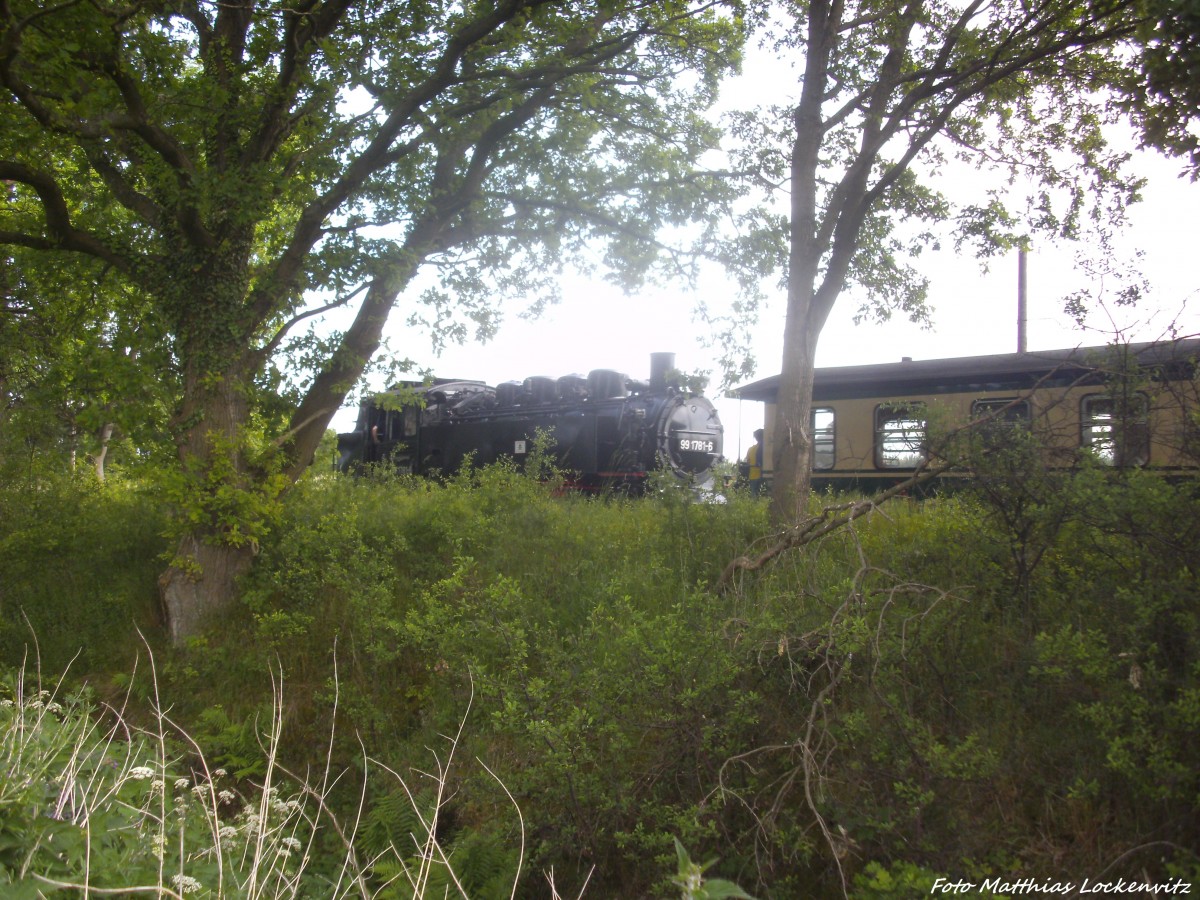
<point x="90" y="803"/>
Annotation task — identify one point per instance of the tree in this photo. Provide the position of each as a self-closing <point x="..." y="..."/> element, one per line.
<point x="1164" y="92"/>
<point x="891" y="93"/>
<point x="231" y="160"/>
<point x="81" y="373"/>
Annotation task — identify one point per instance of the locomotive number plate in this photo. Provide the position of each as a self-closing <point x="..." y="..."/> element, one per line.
<point x="695" y="443"/>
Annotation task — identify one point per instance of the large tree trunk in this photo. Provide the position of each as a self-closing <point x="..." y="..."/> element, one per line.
<point x="202" y="584"/>
<point x="224" y="501"/>
<point x="822" y="244"/>
<point x="806" y="309"/>
<point x="792" y="434"/>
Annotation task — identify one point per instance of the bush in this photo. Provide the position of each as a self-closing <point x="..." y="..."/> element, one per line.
<point x="80" y="561"/>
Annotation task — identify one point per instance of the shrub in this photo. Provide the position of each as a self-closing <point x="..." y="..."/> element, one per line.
<point x="79" y="560"/>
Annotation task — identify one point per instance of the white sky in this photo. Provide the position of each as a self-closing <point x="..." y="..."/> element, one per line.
<point x="597" y="327"/>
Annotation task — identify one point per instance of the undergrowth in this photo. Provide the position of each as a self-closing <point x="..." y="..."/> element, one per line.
<point x="1001" y="683"/>
<point x="91" y="804"/>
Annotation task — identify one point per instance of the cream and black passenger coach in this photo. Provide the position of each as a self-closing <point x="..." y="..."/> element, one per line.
<point x="1126" y="405"/>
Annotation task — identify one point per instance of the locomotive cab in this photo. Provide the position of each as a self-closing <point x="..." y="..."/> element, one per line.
<point x="390" y="425"/>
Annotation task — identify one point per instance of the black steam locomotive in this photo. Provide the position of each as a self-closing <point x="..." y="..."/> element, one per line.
<point x="605" y="430"/>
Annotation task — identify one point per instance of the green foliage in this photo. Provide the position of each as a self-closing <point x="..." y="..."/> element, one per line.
<point x="691" y="881"/>
<point x="231" y="175"/>
<point x="1128" y="674"/>
<point x="999" y="683"/>
<point x="79" y="561"/>
<point x="900" y="880"/>
<point x="928" y="663"/>
<point x="231" y="496"/>
<point x="420" y="585"/>
<point x="396" y="834"/>
<point x="1165" y="99"/>
<point x="83" y="368"/>
<point x="233" y="745"/>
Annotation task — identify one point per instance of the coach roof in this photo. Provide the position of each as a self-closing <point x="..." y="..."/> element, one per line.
<point x="999" y="372"/>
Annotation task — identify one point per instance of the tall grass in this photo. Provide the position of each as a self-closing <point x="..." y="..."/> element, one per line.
<point x="91" y="803"/>
<point x="78" y="568"/>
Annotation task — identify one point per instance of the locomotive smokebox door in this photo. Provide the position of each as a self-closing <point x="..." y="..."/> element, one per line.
<point x="690" y="435"/>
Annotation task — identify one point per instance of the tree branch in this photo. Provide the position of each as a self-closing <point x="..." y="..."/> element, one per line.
<point x="63" y="235"/>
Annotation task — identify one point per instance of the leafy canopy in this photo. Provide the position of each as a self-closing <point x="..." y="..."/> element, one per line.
<point x="247" y="165"/>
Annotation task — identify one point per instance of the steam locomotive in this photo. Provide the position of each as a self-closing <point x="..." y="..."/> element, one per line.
<point x="606" y="430"/>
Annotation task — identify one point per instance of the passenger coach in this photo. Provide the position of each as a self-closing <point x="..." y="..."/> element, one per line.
<point x="1127" y="405"/>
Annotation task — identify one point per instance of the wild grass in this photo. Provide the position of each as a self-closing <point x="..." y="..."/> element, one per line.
<point x="91" y="804"/>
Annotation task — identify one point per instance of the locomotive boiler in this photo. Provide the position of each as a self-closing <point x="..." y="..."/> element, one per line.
<point x="604" y="430"/>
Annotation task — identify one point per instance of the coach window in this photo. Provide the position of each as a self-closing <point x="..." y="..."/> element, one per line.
<point x="823" y="438"/>
<point x="1011" y="413"/>
<point x="998" y="419"/>
<point x="900" y="436"/>
<point x="1116" y="431"/>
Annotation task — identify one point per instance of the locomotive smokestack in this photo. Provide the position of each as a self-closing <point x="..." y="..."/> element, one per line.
<point x="660" y="365"/>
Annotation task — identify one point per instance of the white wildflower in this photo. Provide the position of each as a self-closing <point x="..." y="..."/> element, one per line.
<point x="185" y="884"/>
<point x="220" y="773"/>
<point x="181" y="784"/>
<point x="291" y="843"/>
<point x="227" y="833"/>
<point x="157" y="786"/>
<point x="140" y="773"/>
<point x="6" y="703"/>
<point x="226" y="796"/>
